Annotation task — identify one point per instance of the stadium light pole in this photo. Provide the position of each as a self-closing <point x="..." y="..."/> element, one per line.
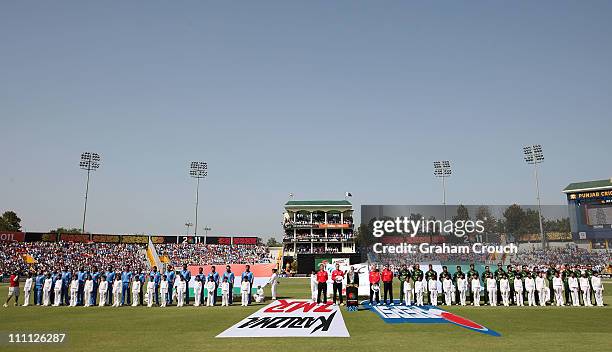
<point x="90" y="162"/>
<point x="442" y="169"/>
<point x="188" y="225"/>
<point x="198" y="170"/>
<point x="534" y="156"/>
<point x="206" y="229"/>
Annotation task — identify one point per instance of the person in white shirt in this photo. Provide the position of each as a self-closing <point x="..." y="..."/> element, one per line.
<point x="87" y="290"/>
<point x="585" y="287"/>
<point x="210" y="292"/>
<point x="47" y="286"/>
<point x="150" y="291"/>
<point x="462" y="288"/>
<point x="447" y="288"/>
<point x="492" y="290"/>
<point x="418" y="292"/>
<point x="407" y="292"/>
<point x="504" y="288"/>
<point x="530" y="288"/>
<point x="117" y="288"/>
<point x="225" y="288"/>
<point x="244" y="291"/>
<point x="197" y="289"/>
<point x="572" y="283"/>
<point x="432" y="286"/>
<point x="163" y="290"/>
<point x="180" y="291"/>
<point x="475" y="284"/>
<point x="518" y="291"/>
<point x="74" y="290"/>
<point x="273" y="282"/>
<point x="57" y="291"/>
<point x="558" y="288"/>
<point x="136" y="291"/>
<point x="175" y="286"/>
<point x="103" y="290"/>
<point x="260" y="296"/>
<point x="313" y="286"/>
<point x="540" y="285"/>
<point x="27" y="289"/>
<point x="598" y="289"/>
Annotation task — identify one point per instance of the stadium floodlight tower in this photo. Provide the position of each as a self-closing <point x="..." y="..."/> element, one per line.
<point x="90" y="162"/>
<point x="198" y="170"/>
<point x="188" y="224"/>
<point x="534" y="156"/>
<point x="442" y="169"/>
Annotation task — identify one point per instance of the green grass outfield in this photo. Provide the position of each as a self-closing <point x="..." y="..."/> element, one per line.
<point x="194" y="329"/>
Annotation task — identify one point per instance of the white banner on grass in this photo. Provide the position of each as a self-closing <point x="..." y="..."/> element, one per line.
<point x="291" y="318"/>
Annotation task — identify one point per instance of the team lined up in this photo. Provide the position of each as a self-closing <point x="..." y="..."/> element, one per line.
<point x="513" y="286"/>
<point x="127" y="287"/>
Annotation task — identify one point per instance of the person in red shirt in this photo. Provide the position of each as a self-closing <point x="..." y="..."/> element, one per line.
<point x="387" y="279"/>
<point x="337" y="278"/>
<point x="321" y="284"/>
<point x="374" y="277"/>
<point x="13" y="289"/>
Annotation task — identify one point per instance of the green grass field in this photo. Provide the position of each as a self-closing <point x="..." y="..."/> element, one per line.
<point x="194" y="329"/>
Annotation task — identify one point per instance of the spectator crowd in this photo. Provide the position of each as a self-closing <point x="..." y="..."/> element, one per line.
<point x="213" y="254"/>
<point x="50" y="256"/>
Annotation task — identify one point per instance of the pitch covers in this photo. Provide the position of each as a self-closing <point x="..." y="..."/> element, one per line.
<point x="291" y="318"/>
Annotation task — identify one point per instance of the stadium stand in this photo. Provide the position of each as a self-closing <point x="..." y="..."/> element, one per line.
<point x="212" y="254"/>
<point x="26" y="256"/>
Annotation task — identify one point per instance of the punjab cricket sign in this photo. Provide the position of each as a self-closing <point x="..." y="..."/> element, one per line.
<point x="291" y="318"/>
<point x="425" y="315"/>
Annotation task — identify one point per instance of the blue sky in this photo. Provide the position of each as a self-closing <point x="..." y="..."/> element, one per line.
<point x="315" y="98"/>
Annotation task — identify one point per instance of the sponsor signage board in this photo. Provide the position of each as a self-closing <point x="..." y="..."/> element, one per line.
<point x="291" y="318"/>
<point x="398" y="314"/>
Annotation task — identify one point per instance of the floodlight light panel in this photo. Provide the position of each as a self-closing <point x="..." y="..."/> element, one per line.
<point x="445" y="163"/>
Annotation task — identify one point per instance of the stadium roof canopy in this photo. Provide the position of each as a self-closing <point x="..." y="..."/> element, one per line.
<point x="588" y="186"/>
<point x="318" y="203"/>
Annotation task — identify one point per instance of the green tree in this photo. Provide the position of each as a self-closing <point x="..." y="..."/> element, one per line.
<point x="72" y="231"/>
<point x="483" y="213"/>
<point x="272" y="242"/>
<point x="515" y="219"/>
<point x="462" y="213"/>
<point x="9" y="221"/>
<point x="531" y="223"/>
<point x="557" y="225"/>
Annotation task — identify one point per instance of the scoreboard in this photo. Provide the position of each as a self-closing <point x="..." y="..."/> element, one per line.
<point x="245" y="240"/>
<point x="591" y="215"/>
<point x="218" y="240"/>
<point x="230" y="240"/>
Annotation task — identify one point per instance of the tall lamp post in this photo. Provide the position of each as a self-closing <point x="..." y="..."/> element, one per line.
<point x="206" y="229"/>
<point x="534" y="156"/>
<point x="442" y="169"/>
<point x="188" y="225"/>
<point x="90" y="162"/>
<point x="198" y="170"/>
